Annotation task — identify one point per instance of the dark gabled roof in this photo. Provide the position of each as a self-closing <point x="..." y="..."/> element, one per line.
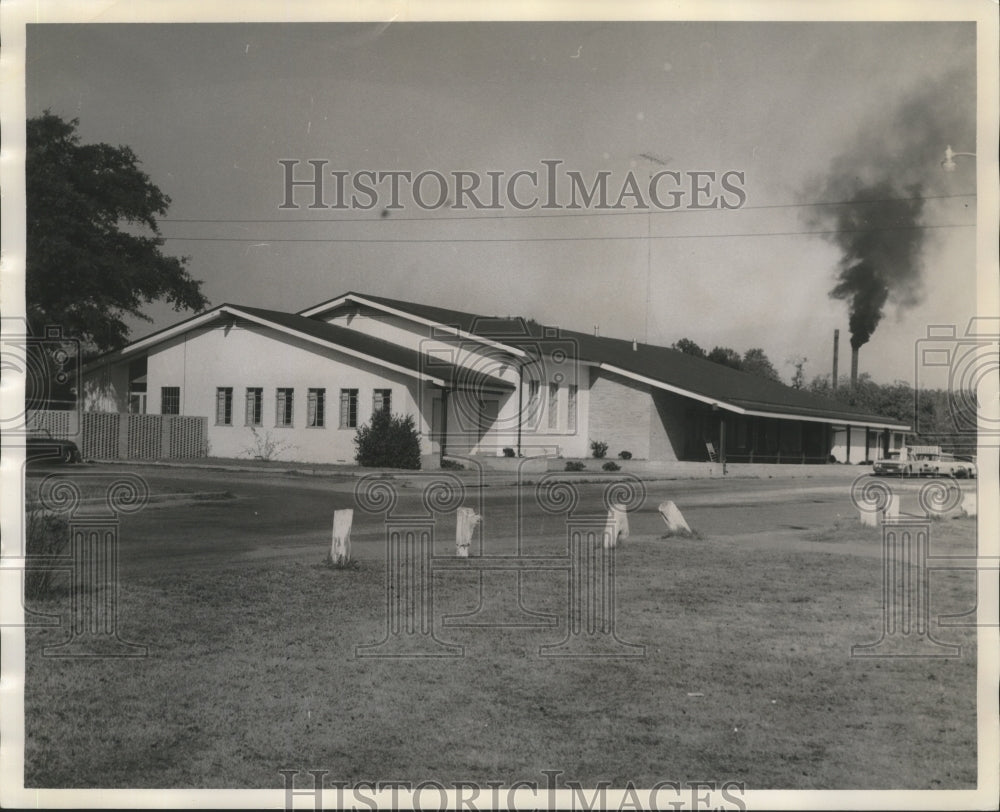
<point x="698" y="376"/>
<point x="380" y="349"/>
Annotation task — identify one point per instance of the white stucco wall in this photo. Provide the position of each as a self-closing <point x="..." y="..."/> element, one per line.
<point x="246" y="355"/>
<point x="558" y="365"/>
<point x="839" y="444"/>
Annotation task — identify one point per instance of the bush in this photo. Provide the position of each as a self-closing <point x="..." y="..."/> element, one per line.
<point x="625" y="455"/>
<point x="46" y="536"/>
<point x="611" y="465"/>
<point x="598" y="449"/>
<point x="388" y="441"/>
<point x="451" y="465"/>
<point x="575" y="465"/>
<point x="508" y="452"/>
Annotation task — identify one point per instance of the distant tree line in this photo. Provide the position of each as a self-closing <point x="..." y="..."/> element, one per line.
<point x="754" y="361"/>
<point x="937" y="416"/>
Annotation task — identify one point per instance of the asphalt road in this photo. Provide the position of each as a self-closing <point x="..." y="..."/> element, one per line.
<point x="280" y="516"/>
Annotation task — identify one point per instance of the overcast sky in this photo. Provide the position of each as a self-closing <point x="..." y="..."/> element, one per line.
<point x="211" y="110"/>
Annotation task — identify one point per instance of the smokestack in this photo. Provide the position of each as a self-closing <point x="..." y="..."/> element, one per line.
<point x="836" y="356"/>
<point x="854" y="367"/>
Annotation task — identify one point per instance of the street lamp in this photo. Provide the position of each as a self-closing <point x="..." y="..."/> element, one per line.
<point x="948" y="164"/>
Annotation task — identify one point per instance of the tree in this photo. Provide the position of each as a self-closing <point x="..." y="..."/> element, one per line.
<point x="688" y="347"/>
<point x="798" y="363"/>
<point x="726" y="356"/>
<point x="93" y="245"/>
<point x="756" y="362"/>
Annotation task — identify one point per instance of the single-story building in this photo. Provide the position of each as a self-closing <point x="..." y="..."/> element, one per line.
<point x="474" y="384"/>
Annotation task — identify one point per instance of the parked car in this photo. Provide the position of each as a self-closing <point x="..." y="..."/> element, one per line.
<point x="42" y="445"/>
<point x="893" y="465"/>
<point x="949" y="465"/>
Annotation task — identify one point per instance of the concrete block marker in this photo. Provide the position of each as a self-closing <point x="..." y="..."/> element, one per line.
<point x="674" y="519"/>
<point x="340" y="546"/>
<point x="970" y="504"/>
<point x="616" y="528"/>
<point x="466" y="520"/>
<point x="868" y="518"/>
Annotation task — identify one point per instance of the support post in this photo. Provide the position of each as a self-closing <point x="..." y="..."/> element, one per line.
<point x="444" y="422"/>
<point x="340" y="545"/>
<point x="722" y="442"/>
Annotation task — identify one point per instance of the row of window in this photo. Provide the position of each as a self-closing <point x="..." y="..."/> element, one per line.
<point x="534" y="404"/>
<point x="284" y="405"/>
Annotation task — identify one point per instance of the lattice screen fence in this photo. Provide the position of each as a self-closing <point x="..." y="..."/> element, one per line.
<point x="111" y="436"/>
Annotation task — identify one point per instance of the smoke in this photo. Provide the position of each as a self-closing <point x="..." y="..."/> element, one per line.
<point x="880" y="191"/>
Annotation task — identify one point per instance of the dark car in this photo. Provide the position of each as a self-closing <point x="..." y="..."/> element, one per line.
<point x="43" y="446"/>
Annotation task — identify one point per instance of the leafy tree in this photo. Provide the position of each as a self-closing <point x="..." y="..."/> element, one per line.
<point x="388" y="441"/>
<point x="799" y="376"/>
<point x="726" y="356"/>
<point x="756" y="362"/>
<point x="687" y="346"/>
<point x="93" y="245"/>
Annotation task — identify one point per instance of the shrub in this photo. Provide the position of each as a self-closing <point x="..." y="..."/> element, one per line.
<point x="452" y="465"/>
<point x="575" y="465"/>
<point x="46" y="536"/>
<point x="598" y="449"/>
<point x="625" y="455"/>
<point x="388" y="441"/>
<point x="611" y="465"/>
<point x="508" y="452"/>
<point x="265" y="446"/>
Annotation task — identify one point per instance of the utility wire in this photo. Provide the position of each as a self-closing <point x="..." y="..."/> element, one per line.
<point x="539" y="215"/>
<point x="263" y="240"/>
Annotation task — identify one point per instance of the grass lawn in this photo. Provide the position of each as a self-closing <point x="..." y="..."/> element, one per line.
<point x="747" y="677"/>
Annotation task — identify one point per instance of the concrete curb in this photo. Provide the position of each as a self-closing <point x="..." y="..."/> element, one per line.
<point x="490" y="476"/>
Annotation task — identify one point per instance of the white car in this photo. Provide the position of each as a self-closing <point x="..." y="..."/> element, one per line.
<point x="947" y="465"/>
<point x="893" y="465"/>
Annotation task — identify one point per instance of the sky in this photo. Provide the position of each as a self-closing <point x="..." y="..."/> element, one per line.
<point x="802" y="110"/>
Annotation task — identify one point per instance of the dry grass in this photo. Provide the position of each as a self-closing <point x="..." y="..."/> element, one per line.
<point x="252" y="670"/>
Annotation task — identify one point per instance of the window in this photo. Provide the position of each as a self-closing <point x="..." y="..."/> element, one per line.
<point x="553" y="405"/>
<point x="170" y="400"/>
<point x="381" y="399"/>
<point x="254" y="406"/>
<point x="534" y="390"/>
<point x="571" y="395"/>
<point x="348" y="408"/>
<point x="316" y="409"/>
<point x="224" y="406"/>
<point x="283" y="407"/>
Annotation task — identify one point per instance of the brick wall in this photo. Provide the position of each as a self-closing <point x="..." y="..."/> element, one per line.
<point x="619" y="414"/>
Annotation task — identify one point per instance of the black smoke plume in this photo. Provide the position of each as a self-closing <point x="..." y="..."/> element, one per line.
<point x="878" y="193"/>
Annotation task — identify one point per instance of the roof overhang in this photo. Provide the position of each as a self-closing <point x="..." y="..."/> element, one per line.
<point x="732" y="407"/>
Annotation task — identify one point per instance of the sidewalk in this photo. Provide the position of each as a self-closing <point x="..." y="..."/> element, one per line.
<point x="526" y="472"/>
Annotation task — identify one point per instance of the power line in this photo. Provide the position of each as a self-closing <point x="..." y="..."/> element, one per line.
<point x="540" y="215"/>
<point x="264" y="240"/>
